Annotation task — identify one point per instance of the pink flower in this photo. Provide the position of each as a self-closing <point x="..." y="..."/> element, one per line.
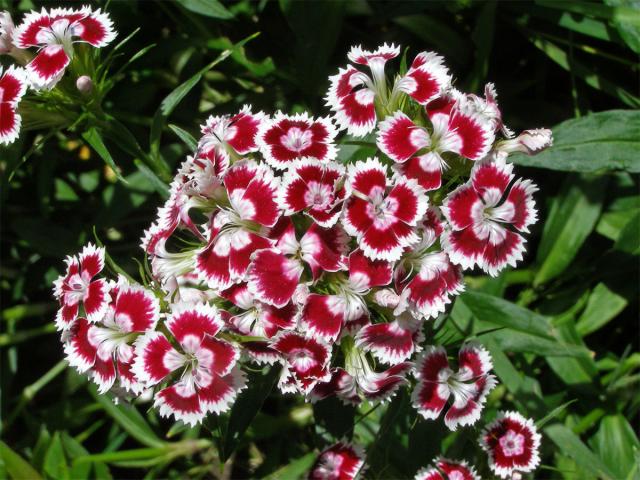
<point x="274" y="273"/>
<point x="352" y="93"/>
<point x="341" y="461"/>
<point x="487" y="215"/>
<point x="383" y="220"/>
<point x="13" y="86"/>
<point x="77" y="287"/>
<point x="105" y="348"/>
<point x="315" y="188"/>
<point x="229" y="136"/>
<point x="456" y="127"/>
<point x="444" y="469"/>
<point x="305" y="361"/>
<point x="469" y="386"/>
<point x="287" y="138"/>
<point x="208" y="379"/>
<point x="512" y="443"/>
<point x="54" y="32"/>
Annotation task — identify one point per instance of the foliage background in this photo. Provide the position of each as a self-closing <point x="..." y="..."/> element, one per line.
<point x="563" y="328"/>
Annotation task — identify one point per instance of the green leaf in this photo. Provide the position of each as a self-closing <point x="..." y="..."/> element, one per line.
<point x="245" y="408"/>
<point x="93" y="138"/>
<point x="571" y="445"/>
<point x="55" y="462"/>
<point x="128" y="418"/>
<point x="628" y="29"/>
<point x="573" y="215"/>
<point x="208" y="8"/>
<point x="501" y="312"/>
<point x="295" y="469"/>
<point x="602" y="307"/>
<point x="616" y="443"/>
<point x="602" y="141"/>
<point x="629" y="240"/>
<point x="16" y="466"/>
<point x="185" y="136"/>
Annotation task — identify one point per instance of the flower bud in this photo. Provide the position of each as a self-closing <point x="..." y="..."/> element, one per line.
<point x="84" y="84"/>
<point x="529" y="142"/>
<point x="387" y="298"/>
<point x="6" y="32"/>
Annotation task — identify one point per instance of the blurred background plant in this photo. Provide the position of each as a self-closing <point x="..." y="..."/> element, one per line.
<point x="562" y="329"/>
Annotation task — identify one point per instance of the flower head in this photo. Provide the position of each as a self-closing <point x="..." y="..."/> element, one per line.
<point x="512" y="443"/>
<point x="444" y="469"/>
<point x="54" y="33"/>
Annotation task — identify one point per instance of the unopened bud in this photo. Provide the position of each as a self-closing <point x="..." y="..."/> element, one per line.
<point x="84" y="84"/>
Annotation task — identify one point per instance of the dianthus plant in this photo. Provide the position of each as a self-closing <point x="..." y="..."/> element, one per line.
<point x="276" y="249"/>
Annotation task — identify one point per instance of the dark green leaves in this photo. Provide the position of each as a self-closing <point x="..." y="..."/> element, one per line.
<point x="603" y="141"/>
<point x="15" y="465"/>
<point x="208" y="8"/>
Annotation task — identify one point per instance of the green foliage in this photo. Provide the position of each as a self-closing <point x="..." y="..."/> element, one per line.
<point x="562" y="328"/>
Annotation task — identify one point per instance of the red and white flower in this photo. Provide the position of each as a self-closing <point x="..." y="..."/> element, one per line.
<point x="382" y="219"/>
<point x="341" y="461"/>
<point x="315" y="188"/>
<point x="426" y="80"/>
<point x="487" y="217"/>
<point x="274" y="274"/>
<point x="13" y="86"/>
<point x="77" y="287"/>
<point x="54" y="32"/>
<point x="256" y="318"/>
<point x="305" y="360"/>
<point x="229" y="135"/>
<point x="512" y="443"/>
<point x="469" y="386"/>
<point x="352" y="93"/>
<point x="287" y="138"/>
<point x="206" y="376"/>
<point x="456" y="127"/>
<point x="105" y="348"/>
<point x="391" y="342"/>
<point x="236" y="231"/>
<point x="444" y="469"/>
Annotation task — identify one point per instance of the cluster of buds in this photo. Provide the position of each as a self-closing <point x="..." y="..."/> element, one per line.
<point x="52" y="34"/>
<point x="271" y="251"/>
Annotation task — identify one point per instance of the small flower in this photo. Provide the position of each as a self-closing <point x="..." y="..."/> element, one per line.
<point x="341" y="461"/>
<point x="54" y="32"/>
<point x="226" y="135"/>
<point x="444" y="469"/>
<point x="352" y="93"/>
<point x="104" y="348"/>
<point x="305" y="361"/>
<point x="469" y="386"/>
<point x="13" y="86"/>
<point x="287" y="138"/>
<point x="77" y="287"/>
<point x="274" y="274"/>
<point x="512" y="443"/>
<point x="208" y="379"/>
<point x="426" y="80"/>
<point x="314" y="188"/>
<point x="480" y="214"/>
<point x="382" y="221"/>
<point x="456" y="127"/>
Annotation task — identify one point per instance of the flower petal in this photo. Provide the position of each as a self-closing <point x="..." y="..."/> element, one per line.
<point x="220" y="394"/>
<point x="182" y="402"/>
<point x="96" y="28"/>
<point x="273" y="277"/>
<point x="432" y="392"/>
<point x="324" y="248"/>
<point x="155" y="358"/>
<point x="96" y="300"/>
<point x="425" y="169"/>
<point x="323" y="316"/>
<point x="427" y="78"/>
<point x="189" y="320"/>
<point x="365" y="273"/>
<point x="391" y="343"/>
<point x="399" y="138"/>
<point x="461" y="205"/>
<point x="137" y="309"/>
<point x="80" y="352"/>
<point x="48" y="67"/>
<point x="243" y="129"/>
<point x="340" y="461"/>
<point x="252" y="190"/>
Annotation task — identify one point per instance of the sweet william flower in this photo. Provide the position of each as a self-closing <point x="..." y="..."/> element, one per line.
<point x="79" y="287"/>
<point x="352" y="93"/>
<point x="444" y="469"/>
<point x="487" y="216"/>
<point x="206" y="377"/>
<point x="380" y="214"/>
<point x="105" y="348"/>
<point x="286" y="138"/>
<point x="512" y="443"/>
<point x="469" y="385"/>
<point x="341" y="461"/>
<point x="13" y="86"/>
<point x="54" y="32"/>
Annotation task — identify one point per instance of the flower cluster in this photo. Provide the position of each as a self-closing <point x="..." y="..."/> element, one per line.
<point x="271" y="251"/>
<point x="53" y="34"/>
